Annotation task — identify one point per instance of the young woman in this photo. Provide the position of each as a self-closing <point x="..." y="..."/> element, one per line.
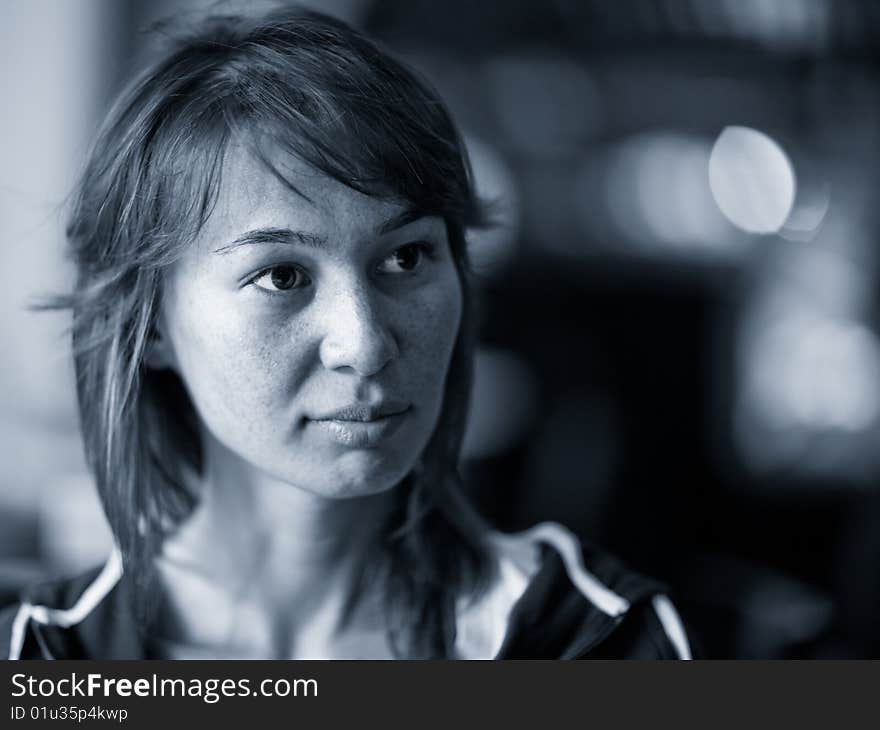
<point x="273" y="338"/>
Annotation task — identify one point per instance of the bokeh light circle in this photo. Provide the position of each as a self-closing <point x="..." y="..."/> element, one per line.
<point x="752" y="180"/>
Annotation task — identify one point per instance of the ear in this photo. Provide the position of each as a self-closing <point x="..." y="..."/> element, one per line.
<point x="159" y="354"/>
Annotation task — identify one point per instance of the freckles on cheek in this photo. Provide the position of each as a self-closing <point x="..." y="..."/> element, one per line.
<point x="242" y="366"/>
<point x="230" y="363"/>
<point x="432" y="326"/>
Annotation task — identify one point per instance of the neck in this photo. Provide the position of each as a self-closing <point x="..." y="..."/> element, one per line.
<point x="256" y="545"/>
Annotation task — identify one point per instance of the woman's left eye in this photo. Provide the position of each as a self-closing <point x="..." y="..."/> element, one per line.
<point x="406" y="258"/>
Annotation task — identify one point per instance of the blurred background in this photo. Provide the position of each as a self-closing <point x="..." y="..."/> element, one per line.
<point x="679" y="358"/>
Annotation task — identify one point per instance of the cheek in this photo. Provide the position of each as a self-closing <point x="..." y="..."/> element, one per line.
<point x="236" y="368"/>
<point x="432" y="325"/>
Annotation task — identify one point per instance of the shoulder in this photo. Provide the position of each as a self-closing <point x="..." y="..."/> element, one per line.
<point x="52" y="618"/>
<point x="560" y="597"/>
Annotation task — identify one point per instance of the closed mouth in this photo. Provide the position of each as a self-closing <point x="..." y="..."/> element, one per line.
<point x="364" y="413"/>
<point x="361" y="427"/>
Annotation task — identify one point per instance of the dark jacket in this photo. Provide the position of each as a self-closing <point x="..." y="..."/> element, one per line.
<point x="577" y="603"/>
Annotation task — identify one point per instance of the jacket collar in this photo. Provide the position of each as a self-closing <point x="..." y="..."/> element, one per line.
<point x="572" y="599"/>
<point x="89" y="617"/>
<point x="555" y="597"/>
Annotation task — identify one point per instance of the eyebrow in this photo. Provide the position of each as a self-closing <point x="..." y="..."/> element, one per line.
<point x="313" y="240"/>
<point x="274" y="235"/>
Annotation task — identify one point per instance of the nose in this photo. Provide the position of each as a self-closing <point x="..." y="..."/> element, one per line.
<point x="357" y="337"/>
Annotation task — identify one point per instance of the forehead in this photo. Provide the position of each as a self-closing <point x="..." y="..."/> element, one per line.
<point x="302" y="198"/>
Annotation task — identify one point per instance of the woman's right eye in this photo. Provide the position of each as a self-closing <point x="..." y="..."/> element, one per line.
<point x="281" y="278"/>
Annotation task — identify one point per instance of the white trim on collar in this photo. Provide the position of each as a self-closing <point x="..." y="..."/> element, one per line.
<point x="66" y="617"/>
<point x="482" y="626"/>
<point x="671" y="623"/>
<point x="569" y="549"/>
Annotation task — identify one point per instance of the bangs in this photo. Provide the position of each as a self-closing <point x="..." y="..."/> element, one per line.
<point x="333" y="102"/>
<point x="301" y="86"/>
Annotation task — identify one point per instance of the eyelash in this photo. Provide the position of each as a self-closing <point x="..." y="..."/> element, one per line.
<point x="276" y="267"/>
<point x="424" y="248"/>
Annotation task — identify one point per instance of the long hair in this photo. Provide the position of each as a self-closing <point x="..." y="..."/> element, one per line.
<point x="309" y="85"/>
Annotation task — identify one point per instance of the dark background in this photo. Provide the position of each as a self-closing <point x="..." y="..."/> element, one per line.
<point x="679" y="353"/>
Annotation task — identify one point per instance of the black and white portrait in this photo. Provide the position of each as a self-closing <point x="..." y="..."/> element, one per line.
<point x="372" y="329"/>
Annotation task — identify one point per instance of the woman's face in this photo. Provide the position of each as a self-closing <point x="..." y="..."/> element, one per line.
<point x="313" y="330"/>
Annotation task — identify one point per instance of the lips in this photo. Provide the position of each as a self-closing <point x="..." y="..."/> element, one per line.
<point x="362" y="425"/>
<point x="364" y="412"/>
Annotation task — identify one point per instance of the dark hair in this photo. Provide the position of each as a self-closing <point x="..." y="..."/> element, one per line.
<point x="309" y="85"/>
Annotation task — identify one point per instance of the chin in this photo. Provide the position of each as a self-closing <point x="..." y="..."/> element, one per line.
<point x="354" y="489"/>
<point x="360" y="478"/>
